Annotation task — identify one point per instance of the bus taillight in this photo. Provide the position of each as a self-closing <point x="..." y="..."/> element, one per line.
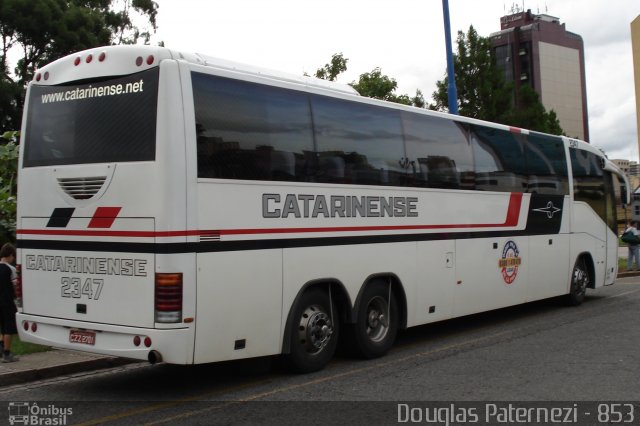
<point x="168" y="302"/>
<point x="18" y="286"/>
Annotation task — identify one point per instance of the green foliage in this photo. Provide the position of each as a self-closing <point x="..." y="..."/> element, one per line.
<point x="531" y="114"/>
<point x="483" y="92"/>
<point x="331" y="70"/>
<point x="19" y="347"/>
<point x="8" y="185"/>
<point x="418" y="100"/>
<point x="376" y="85"/>
<point x="10" y="103"/>
<point x="371" y="84"/>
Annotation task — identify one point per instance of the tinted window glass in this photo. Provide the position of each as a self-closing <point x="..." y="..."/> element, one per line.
<point x="357" y="143"/>
<point x="251" y="131"/>
<point x="499" y="158"/>
<point x="438" y="153"/>
<point x="588" y="180"/>
<point x="547" y="165"/>
<point x="98" y="122"/>
<point x="610" y="184"/>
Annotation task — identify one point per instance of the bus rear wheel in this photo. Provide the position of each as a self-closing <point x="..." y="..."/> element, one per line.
<point x="377" y="322"/>
<point x="314" y="332"/>
<point x="579" y="283"/>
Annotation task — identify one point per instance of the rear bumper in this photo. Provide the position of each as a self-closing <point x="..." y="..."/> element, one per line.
<point x="174" y="345"/>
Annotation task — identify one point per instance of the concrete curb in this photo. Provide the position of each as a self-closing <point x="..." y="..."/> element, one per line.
<point x="628" y="274"/>
<point x="41" y="373"/>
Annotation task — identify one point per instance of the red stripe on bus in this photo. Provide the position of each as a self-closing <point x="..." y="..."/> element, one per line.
<point x="83" y="233"/>
<point x="104" y="217"/>
<point x="511" y="220"/>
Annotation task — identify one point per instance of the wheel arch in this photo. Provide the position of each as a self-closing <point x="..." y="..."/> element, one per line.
<point x="339" y="296"/>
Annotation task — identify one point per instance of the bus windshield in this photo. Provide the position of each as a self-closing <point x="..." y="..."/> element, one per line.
<point x="112" y="120"/>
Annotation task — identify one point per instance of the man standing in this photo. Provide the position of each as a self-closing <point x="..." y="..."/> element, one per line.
<point x="633" y="246"/>
<point x="7" y="305"/>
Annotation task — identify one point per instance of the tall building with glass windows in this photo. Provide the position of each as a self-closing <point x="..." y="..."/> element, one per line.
<point x="537" y="50"/>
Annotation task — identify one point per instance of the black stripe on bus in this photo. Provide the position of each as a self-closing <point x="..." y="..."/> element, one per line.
<point x="246" y="245"/>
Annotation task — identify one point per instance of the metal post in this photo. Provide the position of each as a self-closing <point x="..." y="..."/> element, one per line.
<point x="453" y="95"/>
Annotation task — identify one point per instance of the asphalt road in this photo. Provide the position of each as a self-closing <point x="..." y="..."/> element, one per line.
<point x="541" y="351"/>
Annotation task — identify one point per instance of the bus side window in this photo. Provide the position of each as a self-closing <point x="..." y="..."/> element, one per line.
<point x="546" y="165"/>
<point x="251" y="131"/>
<point x="499" y="159"/>
<point x="367" y="138"/>
<point x="438" y="153"/>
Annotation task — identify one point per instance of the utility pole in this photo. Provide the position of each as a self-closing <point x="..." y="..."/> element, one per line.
<point x="452" y="91"/>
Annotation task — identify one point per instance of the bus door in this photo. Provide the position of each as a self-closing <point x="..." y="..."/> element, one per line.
<point x="613" y="191"/>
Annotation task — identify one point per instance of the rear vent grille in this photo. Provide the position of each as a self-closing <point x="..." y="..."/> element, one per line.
<point x="82" y="188"/>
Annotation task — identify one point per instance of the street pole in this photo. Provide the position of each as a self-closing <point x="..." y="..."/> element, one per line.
<point x="453" y="94"/>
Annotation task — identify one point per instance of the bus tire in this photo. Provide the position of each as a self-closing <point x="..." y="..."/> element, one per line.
<point x="376" y="324"/>
<point x="579" y="283"/>
<point x="314" y="332"/>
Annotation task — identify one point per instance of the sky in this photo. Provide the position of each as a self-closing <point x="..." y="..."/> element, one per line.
<point x="405" y="38"/>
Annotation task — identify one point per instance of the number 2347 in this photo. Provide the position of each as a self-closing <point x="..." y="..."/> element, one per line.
<point x="76" y="288"/>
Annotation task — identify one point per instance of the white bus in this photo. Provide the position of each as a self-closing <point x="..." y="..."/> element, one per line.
<point x="183" y="208"/>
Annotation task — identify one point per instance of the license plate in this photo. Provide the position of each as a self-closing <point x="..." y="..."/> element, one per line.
<point x="82" y="337"/>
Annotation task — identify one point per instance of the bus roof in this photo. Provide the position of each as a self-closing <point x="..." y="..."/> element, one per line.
<point x="123" y="60"/>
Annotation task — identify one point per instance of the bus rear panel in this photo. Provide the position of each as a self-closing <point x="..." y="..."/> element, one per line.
<point x="97" y="198"/>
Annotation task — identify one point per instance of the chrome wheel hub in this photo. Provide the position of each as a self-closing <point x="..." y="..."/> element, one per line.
<point x="315" y="329"/>
<point x="581" y="280"/>
<point x="377" y="319"/>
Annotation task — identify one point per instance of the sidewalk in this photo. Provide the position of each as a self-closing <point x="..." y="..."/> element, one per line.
<point x="58" y="362"/>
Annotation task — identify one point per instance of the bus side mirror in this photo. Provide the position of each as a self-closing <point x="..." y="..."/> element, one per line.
<point x="624" y="196"/>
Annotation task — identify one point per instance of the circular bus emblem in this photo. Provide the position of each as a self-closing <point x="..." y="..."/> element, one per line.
<point x="510" y="261"/>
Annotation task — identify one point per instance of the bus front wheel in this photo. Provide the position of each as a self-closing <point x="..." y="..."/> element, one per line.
<point x="314" y="332"/>
<point x="377" y="322"/>
<point x="579" y="283"/>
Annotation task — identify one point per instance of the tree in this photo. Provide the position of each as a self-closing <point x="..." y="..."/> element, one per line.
<point x="376" y="85"/>
<point x="45" y="30"/>
<point x="8" y="185"/>
<point x="531" y="114"/>
<point x="330" y="71"/>
<point x="483" y="92"/>
<point x="371" y="84"/>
